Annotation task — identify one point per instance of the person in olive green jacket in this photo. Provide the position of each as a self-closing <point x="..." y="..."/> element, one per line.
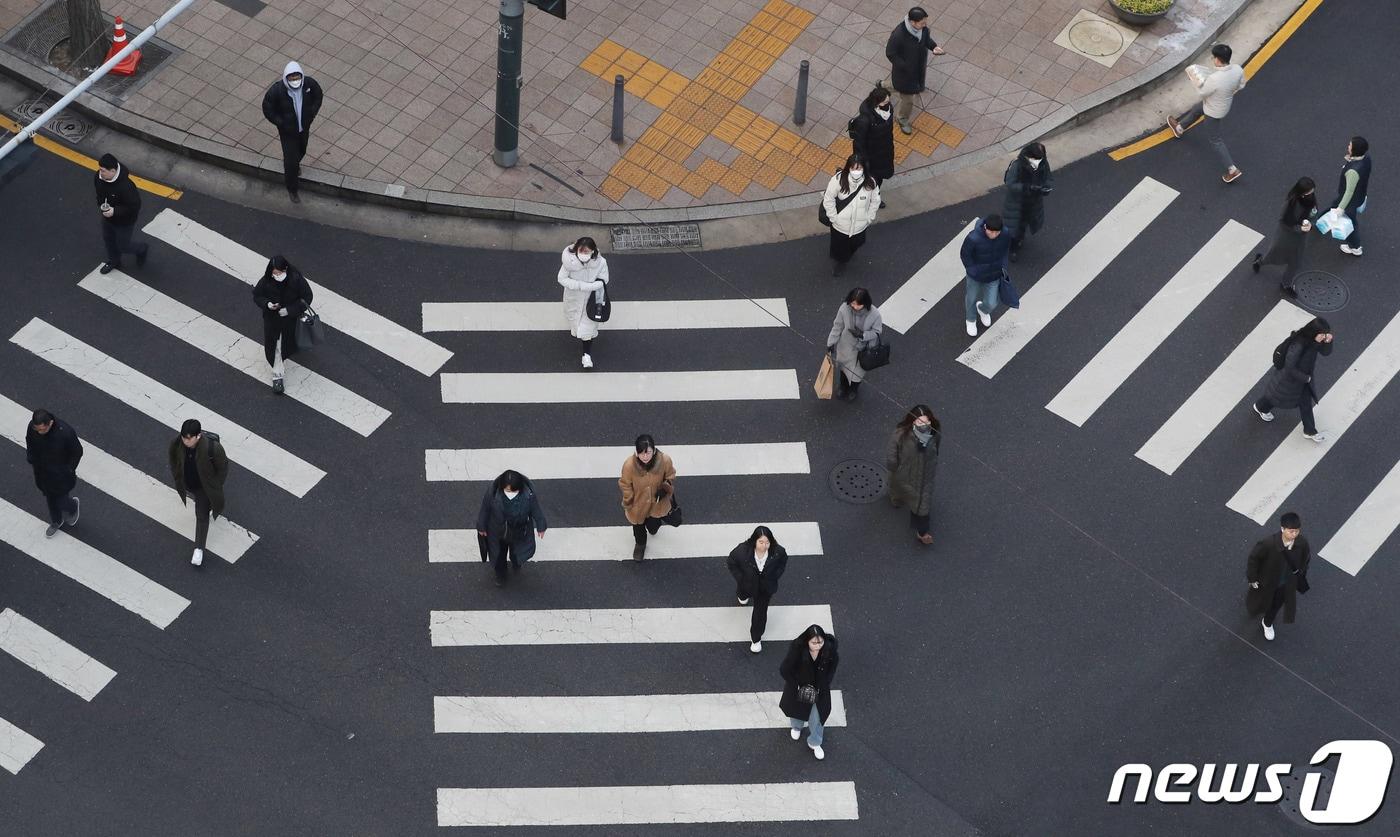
<point x="198" y="465"/>
<point x="912" y="460"/>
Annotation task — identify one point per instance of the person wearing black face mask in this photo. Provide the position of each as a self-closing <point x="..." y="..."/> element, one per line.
<point x="1292" y="236"/>
<point x="282" y="295"/>
<point x="912" y="459"/>
<point x="1292" y="382"/>
<point x="1028" y="180"/>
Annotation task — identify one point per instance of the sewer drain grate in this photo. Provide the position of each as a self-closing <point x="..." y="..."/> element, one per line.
<point x="1096" y="37"/>
<point x="67" y="125"/>
<point x="655" y="237"/>
<point x="44" y="35"/>
<point x="1293" y="791"/>
<point x="857" y="481"/>
<point x="1319" y="290"/>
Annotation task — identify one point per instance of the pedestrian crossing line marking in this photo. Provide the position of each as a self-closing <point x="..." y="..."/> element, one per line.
<point x="917" y="296"/>
<point x="618" y="387"/>
<point x="1341" y="405"/>
<point x="1363" y="534"/>
<point x="1221" y="392"/>
<point x="646" y="805"/>
<point x="618" y="713"/>
<point x="614" y="543"/>
<point x="477" y="464"/>
<point x="140" y="491"/>
<point x="1153" y="323"/>
<point x="54" y="147"/>
<point x="627" y="315"/>
<point x="374" y="330"/>
<point x="457" y="628"/>
<point x="165" y="405"/>
<point x="242" y="353"/>
<point x="94" y="570"/>
<point x="1070" y="275"/>
<point x="17" y="747"/>
<point x="52" y="657"/>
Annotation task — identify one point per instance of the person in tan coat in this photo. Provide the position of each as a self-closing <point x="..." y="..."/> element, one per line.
<point x="648" y="493"/>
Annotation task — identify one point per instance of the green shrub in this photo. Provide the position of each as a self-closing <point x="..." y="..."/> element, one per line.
<point x="1144" y="7"/>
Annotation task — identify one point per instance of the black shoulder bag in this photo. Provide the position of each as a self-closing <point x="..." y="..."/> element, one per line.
<point x="840" y="205"/>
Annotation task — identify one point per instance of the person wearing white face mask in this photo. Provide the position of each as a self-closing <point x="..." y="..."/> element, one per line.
<point x="848" y="207"/>
<point x="872" y="135"/>
<point x="509" y="519"/>
<point x="582" y="273"/>
<point x="282" y="295"/>
<point x="291" y="103"/>
<point x="912" y="460"/>
<point x="1028" y="180"/>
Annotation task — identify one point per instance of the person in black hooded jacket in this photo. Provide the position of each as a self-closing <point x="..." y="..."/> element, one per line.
<point x="119" y="202"/>
<point x="282" y="295"/>
<point x="872" y="135"/>
<point x="509" y="519"/>
<point x="756" y="565"/>
<point x="1291" y="384"/>
<point x="291" y="104"/>
<point x="807" y="672"/>
<point x="53" y="450"/>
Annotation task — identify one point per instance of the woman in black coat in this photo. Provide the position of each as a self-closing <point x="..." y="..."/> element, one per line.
<point x="1028" y="180"/>
<point x="282" y="295"/>
<point x="810" y="664"/>
<point x="756" y="565"/>
<point x="872" y="135"/>
<point x="1292" y="383"/>
<point x="1292" y="237"/>
<point x="506" y="525"/>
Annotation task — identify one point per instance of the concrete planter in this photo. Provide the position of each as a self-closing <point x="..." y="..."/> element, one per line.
<point x="1137" y="18"/>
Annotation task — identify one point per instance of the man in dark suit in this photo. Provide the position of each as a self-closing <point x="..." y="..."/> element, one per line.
<point x="1277" y="572"/>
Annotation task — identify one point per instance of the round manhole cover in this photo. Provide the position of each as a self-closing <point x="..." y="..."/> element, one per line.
<point x="1319" y="290"/>
<point x="1096" y="37"/>
<point x="857" y="481"/>
<point x="1293" y="791"/>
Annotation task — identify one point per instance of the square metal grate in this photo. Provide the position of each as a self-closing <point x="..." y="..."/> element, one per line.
<point x="37" y="36"/>
<point x="655" y="237"/>
<point x="66" y="126"/>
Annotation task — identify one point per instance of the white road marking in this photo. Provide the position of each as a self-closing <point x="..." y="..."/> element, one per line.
<point x="618" y="713"/>
<point x="916" y="297"/>
<point x="614" y="543"/>
<point x="444" y="465"/>
<point x="616" y="387"/>
<point x="627" y="315"/>
<point x="1375" y="520"/>
<point x="52" y="657"/>
<point x="17" y="747"/>
<point x="452" y="628"/>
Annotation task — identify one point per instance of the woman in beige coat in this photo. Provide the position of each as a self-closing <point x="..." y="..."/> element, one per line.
<point x="648" y="492"/>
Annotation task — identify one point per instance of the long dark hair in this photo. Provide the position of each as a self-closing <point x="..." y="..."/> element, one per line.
<point x="844" y="175"/>
<point x="878" y="95"/>
<point x="514" y="480"/>
<point x="1296" y="195"/>
<point x="1032" y="150"/>
<point x="763" y="532"/>
<point x="278" y="262"/>
<point x="862" y="296"/>
<point x="643" y="444"/>
<point x="906" y="424"/>
<point x="1309" y="332"/>
<point x="828" y="640"/>
<point x="585" y="241"/>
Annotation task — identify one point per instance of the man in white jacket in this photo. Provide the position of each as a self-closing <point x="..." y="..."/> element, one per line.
<point x="1217" y="87"/>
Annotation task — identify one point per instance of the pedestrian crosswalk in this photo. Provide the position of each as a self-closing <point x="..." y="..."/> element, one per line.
<point x="52" y="657"/>
<point x="618" y="713"/>
<point x="614" y="543"/>
<point x="615" y="387"/>
<point x="915" y="298"/>
<point x="17" y="747"/>
<point x="597" y="462"/>
<point x="627" y="315"/>
<point x="640" y="625"/>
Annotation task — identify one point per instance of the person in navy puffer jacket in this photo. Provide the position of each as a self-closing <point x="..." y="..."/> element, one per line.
<point x="984" y="254"/>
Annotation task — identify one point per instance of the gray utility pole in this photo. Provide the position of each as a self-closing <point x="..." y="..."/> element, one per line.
<point x="509" y="46"/>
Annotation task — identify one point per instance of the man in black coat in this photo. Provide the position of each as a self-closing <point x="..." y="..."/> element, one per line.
<point x="53" y="449"/>
<point x="119" y="202"/>
<point x="1277" y="572"/>
<point x="282" y="295"/>
<point x="291" y="103"/>
<point x="908" y="49"/>
<point x="198" y="467"/>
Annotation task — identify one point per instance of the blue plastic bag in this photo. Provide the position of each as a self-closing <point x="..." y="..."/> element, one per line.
<point x="1335" y="224"/>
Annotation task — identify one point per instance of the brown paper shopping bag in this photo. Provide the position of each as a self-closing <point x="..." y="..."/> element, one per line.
<point x="826" y="378"/>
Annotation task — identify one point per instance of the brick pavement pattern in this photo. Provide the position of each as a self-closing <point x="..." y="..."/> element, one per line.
<point x="409" y="88"/>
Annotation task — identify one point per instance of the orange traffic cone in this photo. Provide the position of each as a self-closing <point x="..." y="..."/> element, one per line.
<point x="128" y="65"/>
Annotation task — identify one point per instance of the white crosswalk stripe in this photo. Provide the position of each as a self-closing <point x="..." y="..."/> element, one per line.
<point x="451" y="628"/>
<point x="617" y="387"/>
<point x="446" y="465"/>
<point x="165" y="405"/>
<point x="1342" y="404"/>
<point x="637" y="805"/>
<point x="242" y="353"/>
<point x="614" y="543"/>
<point x="52" y="657"/>
<point x="17" y="747"/>
<point x="1070" y="275"/>
<point x="618" y="713"/>
<point x="916" y="297"/>
<point x="1363" y="534"/>
<point x="374" y="330"/>
<point x="135" y="488"/>
<point x="627" y="315"/>
<point x="1236" y="377"/>
<point x="94" y="570"/>
<point x="1153" y="323"/>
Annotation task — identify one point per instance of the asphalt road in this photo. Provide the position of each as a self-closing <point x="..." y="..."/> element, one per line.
<point x="1079" y="609"/>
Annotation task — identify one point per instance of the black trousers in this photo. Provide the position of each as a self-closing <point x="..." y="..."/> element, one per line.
<point x="202" y="510"/>
<point x="293" y="149"/>
<point x="919" y="522"/>
<point x="1274" y="606"/>
<point x="284" y="327"/>
<point x="116" y="238"/>
<point x="1305" y="409"/>
<point x="501" y="556"/>
<point x="59" y="505"/>
<point x="760" y="615"/>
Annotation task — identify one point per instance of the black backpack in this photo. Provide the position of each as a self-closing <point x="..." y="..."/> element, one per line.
<point x="851" y="127"/>
<point x="1281" y="352"/>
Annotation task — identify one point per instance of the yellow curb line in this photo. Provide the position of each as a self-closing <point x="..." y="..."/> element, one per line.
<point x="89" y="163"/>
<point x="1250" y="68"/>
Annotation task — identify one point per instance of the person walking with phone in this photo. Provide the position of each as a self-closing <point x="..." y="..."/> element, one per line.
<point x="756" y="565"/>
<point x="282" y="295"/>
<point x="1217" y="86"/>
<point x="52" y="449"/>
<point x="648" y="486"/>
<point x="908" y="49"/>
<point x="582" y="273"/>
<point x="1291" y="384"/>
<point x="1291" y="239"/>
<point x="506" y="524"/>
<point x="198" y="467"/>
<point x="119" y="202"/>
<point x="850" y="203"/>
<point x="807" y="671"/>
<point x="857" y="326"/>
<point x="1277" y="572"/>
<point x="1028" y="180"/>
<point x="912" y="460"/>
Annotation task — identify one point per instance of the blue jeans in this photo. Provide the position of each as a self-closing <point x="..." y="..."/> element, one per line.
<point x="814" y="724"/>
<point x="983" y="292"/>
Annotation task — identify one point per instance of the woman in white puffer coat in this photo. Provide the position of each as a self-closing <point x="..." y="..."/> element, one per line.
<point x="584" y="270"/>
<point x="851" y="200"/>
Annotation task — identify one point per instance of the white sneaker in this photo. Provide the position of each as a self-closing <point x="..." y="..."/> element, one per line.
<point x="819" y="753"/>
<point x="983" y="316"/>
<point x="587" y="361"/>
<point x="1318" y="437"/>
<point x="197" y="558"/>
<point x="743" y="601"/>
<point x="1351" y="251"/>
<point x="756" y="647"/>
<point x="971" y="328"/>
<point x="1262" y="415"/>
<point x="1268" y="631"/>
<point x="796" y="734"/>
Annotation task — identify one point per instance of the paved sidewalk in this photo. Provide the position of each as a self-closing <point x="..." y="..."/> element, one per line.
<point x="410" y="89"/>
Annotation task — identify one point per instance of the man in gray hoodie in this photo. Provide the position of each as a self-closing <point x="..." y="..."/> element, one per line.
<point x="291" y="103"/>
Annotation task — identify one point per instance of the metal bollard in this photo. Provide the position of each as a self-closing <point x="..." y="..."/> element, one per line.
<point x="617" y="108"/>
<point x="799" y="109"/>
